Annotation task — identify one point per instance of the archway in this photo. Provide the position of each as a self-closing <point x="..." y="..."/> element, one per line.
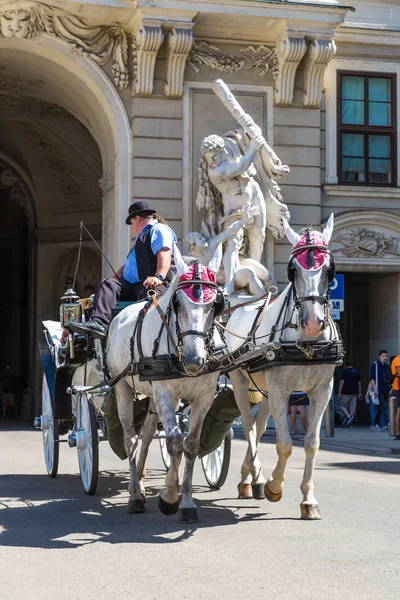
<point x="65" y="135"/>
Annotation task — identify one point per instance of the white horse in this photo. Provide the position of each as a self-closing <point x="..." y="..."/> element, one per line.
<point x="300" y="315"/>
<point x="190" y="303"/>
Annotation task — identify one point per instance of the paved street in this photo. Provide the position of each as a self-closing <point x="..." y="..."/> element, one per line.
<point x="56" y="542"/>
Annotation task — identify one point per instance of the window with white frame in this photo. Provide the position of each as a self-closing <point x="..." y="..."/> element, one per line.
<point x="366" y="128"/>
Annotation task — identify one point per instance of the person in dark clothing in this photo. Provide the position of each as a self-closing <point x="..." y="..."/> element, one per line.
<point x="381" y="390"/>
<point x="349" y="391"/>
<point x="147" y="266"/>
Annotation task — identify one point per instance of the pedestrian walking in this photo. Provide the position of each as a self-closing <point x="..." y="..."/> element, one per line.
<point x="379" y="391"/>
<point x="395" y="391"/>
<point x="349" y="391"/>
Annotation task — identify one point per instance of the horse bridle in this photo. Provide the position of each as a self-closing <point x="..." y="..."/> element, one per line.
<point x="218" y="305"/>
<point x="324" y="299"/>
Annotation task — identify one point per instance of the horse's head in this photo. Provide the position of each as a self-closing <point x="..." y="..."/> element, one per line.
<point x="197" y="300"/>
<point x="310" y="270"/>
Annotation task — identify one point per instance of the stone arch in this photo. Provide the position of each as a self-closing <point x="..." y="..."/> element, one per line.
<point x="88" y="275"/>
<point x="97" y="104"/>
<point x="23" y="191"/>
<point x="367" y="241"/>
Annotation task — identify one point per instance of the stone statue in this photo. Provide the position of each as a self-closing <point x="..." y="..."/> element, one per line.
<point x="236" y="174"/>
<point x="248" y="274"/>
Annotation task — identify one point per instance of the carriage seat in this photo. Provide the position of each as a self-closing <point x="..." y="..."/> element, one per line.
<point x="121" y="304"/>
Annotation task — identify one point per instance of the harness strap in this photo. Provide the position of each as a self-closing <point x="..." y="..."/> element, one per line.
<point x="153" y="296"/>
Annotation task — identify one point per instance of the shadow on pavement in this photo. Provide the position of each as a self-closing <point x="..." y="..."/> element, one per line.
<point x="39" y="512"/>
<point x="392" y="467"/>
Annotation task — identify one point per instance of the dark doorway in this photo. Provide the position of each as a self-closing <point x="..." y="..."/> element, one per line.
<point x="369" y="322"/>
<point x="14" y="275"/>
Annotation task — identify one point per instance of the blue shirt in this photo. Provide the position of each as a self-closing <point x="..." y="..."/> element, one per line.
<point x="381" y="384"/>
<point x="161" y="236"/>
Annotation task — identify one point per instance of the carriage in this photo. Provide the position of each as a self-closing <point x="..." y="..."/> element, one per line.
<point x="77" y="401"/>
<point x="292" y="342"/>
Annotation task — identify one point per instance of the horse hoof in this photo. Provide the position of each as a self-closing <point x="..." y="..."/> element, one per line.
<point x="188" y="515"/>
<point x="245" y="491"/>
<point x="310" y="512"/>
<point x="258" y="491"/>
<point x="136" y="507"/>
<point x="270" y="495"/>
<point x="166" y="508"/>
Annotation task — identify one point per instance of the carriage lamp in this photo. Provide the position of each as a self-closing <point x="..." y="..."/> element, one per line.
<point x="70" y="310"/>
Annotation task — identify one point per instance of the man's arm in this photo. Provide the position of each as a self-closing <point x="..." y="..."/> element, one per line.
<point x="359" y="389"/>
<point x="341" y="384"/>
<point x="164" y="256"/>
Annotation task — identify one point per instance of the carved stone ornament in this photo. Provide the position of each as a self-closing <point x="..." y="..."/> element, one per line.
<point x="145" y="46"/>
<point x="290" y="50"/>
<point x="366" y="243"/>
<point x="180" y="41"/>
<point x="319" y="54"/>
<point x="262" y="58"/>
<point x="101" y="42"/>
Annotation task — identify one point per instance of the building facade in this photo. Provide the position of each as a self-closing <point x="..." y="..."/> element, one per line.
<point x="106" y="103"/>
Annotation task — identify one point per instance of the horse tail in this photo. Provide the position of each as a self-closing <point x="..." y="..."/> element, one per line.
<point x="255" y="397"/>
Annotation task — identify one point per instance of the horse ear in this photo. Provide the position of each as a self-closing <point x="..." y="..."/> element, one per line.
<point x="291" y="235"/>
<point x="328" y="229"/>
<point x="180" y="264"/>
<point x="215" y="262"/>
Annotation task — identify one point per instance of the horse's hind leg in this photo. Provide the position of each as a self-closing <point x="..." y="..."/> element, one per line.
<point x="319" y="398"/>
<point x="125" y="413"/>
<point x="252" y="477"/>
<point x="165" y="402"/>
<point x="261" y="420"/>
<point x="278" y="403"/>
<point x="147" y="436"/>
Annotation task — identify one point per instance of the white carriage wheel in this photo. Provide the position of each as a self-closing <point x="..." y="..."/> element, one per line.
<point x="216" y="464"/>
<point x="164" y="452"/>
<point x="50" y="429"/>
<point x="87" y="443"/>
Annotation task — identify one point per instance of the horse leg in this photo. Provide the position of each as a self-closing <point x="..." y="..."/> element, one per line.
<point x="274" y="486"/>
<point x="147" y="436"/>
<point x="191" y="448"/>
<point x="168" y="502"/>
<point x="131" y="439"/>
<point x="319" y="398"/>
<point x="252" y="480"/>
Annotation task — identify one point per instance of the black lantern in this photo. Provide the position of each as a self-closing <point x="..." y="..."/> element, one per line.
<point x="70" y="309"/>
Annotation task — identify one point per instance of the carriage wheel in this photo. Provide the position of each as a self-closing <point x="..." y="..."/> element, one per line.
<point x="216" y="464"/>
<point x="50" y="428"/>
<point x="164" y="453"/>
<point x="87" y="443"/>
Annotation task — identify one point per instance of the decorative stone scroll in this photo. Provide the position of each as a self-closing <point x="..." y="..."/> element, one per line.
<point x="262" y="58"/>
<point x="180" y="41"/>
<point x="101" y="42"/>
<point x="290" y="51"/>
<point x="319" y="54"/>
<point x="145" y="46"/>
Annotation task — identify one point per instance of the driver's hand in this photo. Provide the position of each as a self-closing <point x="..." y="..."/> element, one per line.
<point x="151" y="282"/>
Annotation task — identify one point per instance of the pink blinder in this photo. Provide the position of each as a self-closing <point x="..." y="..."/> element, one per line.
<point x="319" y="255"/>
<point x="207" y="292"/>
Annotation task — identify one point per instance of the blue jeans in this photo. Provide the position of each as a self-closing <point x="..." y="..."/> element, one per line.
<point x="383" y="407"/>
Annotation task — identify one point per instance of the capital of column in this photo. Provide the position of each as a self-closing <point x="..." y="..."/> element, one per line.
<point x="320" y="52"/>
<point x="179" y="43"/>
<point x="290" y="49"/>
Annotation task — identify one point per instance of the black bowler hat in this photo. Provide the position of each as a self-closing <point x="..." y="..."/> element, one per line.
<point x="139" y="208"/>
